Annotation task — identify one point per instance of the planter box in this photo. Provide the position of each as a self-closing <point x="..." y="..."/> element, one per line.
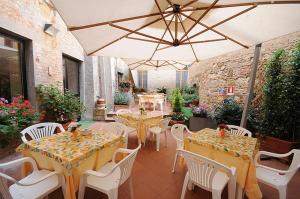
<point x="276" y="145"/>
<point x="198" y="123"/>
<point x="118" y="107"/>
<point x="172" y="122"/>
<point x="10" y="148"/>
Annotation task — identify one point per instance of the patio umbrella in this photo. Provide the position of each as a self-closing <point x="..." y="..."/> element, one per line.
<point x="156" y="64"/>
<point x="182" y="30"/>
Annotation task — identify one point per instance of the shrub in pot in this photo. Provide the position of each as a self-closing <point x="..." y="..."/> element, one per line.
<point x="124" y="86"/>
<point x="14" y="117"/>
<point x="200" y="119"/>
<point x="281" y="108"/>
<point x="162" y="90"/>
<point x="58" y="106"/>
<point x="121" y="100"/>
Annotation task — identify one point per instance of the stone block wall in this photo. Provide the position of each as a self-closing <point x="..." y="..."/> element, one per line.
<point x="233" y="69"/>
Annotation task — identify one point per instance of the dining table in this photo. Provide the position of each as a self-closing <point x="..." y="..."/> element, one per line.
<point x="233" y="151"/>
<point x="71" y="154"/>
<point x="141" y="121"/>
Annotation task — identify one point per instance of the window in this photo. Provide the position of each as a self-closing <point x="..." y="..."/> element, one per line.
<point x="120" y="77"/>
<point x="181" y="78"/>
<point x="12" y="67"/>
<point x="142" y="79"/>
<point x="71" y="74"/>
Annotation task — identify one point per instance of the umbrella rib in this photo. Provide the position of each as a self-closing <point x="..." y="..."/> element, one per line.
<point x="138" y="65"/>
<point x="148" y="24"/>
<point x="243" y="4"/>
<point x="180" y="20"/>
<point x="161" y="38"/>
<point x="164" y="19"/>
<point x="206" y="26"/>
<point x="163" y="48"/>
<point x="189" y="3"/>
<point x="204" y="41"/>
<point x="171" y="4"/>
<point x="176" y="26"/>
<point x="172" y="65"/>
<point x="199" y="19"/>
<point x="147" y="40"/>
<point x="221" y="22"/>
<point x="73" y="28"/>
<point x="135" y="63"/>
<point x="139" y="33"/>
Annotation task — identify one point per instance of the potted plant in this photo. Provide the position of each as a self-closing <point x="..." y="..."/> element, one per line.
<point x="14" y="117"/>
<point x="162" y="90"/>
<point x="281" y="126"/>
<point x="200" y="119"/>
<point x="177" y="103"/>
<point x="124" y="86"/>
<point x="121" y="100"/>
<point x="58" y="106"/>
<point x="190" y="96"/>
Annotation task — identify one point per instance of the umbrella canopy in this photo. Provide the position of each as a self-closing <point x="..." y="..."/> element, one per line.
<point x="156" y="64"/>
<point x="185" y="30"/>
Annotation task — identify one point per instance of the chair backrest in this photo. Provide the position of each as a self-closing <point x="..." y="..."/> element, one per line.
<point x="295" y="165"/>
<point x="40" y="130"/>
<point x="164" y="123"/>
<point x="237" y="130"/>
<point x="116" y="128"/>
<point x="202" y="169"/>
<point x="126" y="165"/>
<point x="177" y="133"/>
<point x="123" y="111"/>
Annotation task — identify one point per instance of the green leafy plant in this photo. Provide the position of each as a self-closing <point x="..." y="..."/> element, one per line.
<point x="176" y="100"/>
<point x="162" y="90"/>
<point x="189" y="90"/>
<point x="59" y="106"/>
<point x="14" y="117"/>
<point x="282" y="94"/>
<point x="187" y="112"/>
<point x="124" y="86"/>
<point x="189" y="98"/>
<point x="178" y="117"/>
<point x="200" y="111"/>
<point x="121" y="98"/>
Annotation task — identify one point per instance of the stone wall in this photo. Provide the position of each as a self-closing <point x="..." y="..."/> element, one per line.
<point x="233" y="69"/>
<point x="44" y="52"/>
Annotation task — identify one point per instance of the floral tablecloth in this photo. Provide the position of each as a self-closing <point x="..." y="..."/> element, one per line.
<point x="72" y="156"/>
<point x="232" y="150"/>
<point x="141" y="122"/>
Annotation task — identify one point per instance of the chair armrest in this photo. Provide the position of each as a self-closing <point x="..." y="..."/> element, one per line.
<point x="121" y="150"/>
<point x="275" y="170"/>
<point x="19" y="161"/>
<point x="39" y="180"/>
<point x="259" y="153"/>
<point x="189" y="132"/>
<point x="96" y="174"/>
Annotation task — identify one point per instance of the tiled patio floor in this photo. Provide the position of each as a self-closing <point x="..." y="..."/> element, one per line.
<point x="152" y="177"/>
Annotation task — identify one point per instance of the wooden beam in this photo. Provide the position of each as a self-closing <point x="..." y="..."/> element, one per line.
<point x="146" y="40"/>
<point x="199" y="19"/>
<point x="243" y="4"/>
<point x="204" y="41"/>
<point x="73" y="28"/>
<point x="142" y="34"/>
<point x="189" y="3"/>
<point x="140" y="28"/>
<point x="207" y="27"/>
<point x="250" y="86"/>
<point x="161" y="38"/>
<point x="221" y="22"/>
<point x="180" y="20"/>
<point x="164" y="19"/>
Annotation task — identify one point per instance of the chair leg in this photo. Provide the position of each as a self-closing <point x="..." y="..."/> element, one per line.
<point x="113" y="194"/>
<point x="157" y="141"/>
<point x="131" y="188"/>
<point x="282" y="192"/>
<point x="174" y="164"/>
<point x="184" y="187"/>
<point x="216" y="194"/>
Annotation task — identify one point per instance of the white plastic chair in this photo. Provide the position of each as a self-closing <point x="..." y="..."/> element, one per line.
<point x="38" y="184"/>
<point x="276" y="178"/>
<point x="108" y="179"/>
<point x="123" y="111"/>
<point x="208" y="174"/>
<point x="125" y="122"/>
<point x="118" y="129"/>
<point x="37" y="131"/>
<point x="161" y="128"/>
<point x="160" y="101"/>
<point x="237" y="130"/>
<point x="177" y="131"/>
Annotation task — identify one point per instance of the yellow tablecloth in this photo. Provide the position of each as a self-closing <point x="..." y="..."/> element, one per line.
<point x="236" y="151"/>
<point x="72" y="156"/>
<point x="141" y="122"/>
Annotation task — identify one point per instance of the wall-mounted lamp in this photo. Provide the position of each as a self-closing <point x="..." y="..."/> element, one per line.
<point x="50" y="29"/>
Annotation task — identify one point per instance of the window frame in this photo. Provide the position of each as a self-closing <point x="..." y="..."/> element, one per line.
<point x="65" y="71"/>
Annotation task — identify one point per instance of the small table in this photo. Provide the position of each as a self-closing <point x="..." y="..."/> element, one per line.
<point x="141" y="122"/>
<point x="72" y="156"/>
<point x="232" y="150"/>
